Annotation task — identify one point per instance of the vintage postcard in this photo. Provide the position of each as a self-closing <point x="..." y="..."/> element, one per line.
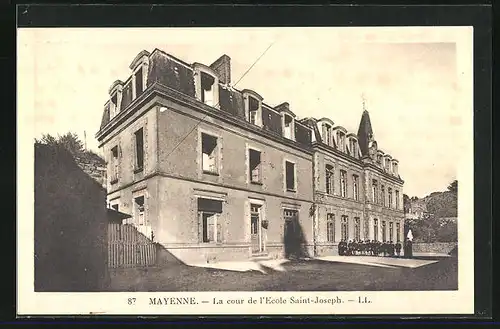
<point x="178" y="171"/>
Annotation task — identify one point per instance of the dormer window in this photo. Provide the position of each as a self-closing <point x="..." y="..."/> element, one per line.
<point x="207" y="85"/>
<point x="388" y="164"/>
<point x="353" y="147"/>
<point x="328" y="134"/>
<point x="139" y="67"/>
<point x="379" y="159"/>
<point x="288" y="127"/>
<point x="114" y="106"/>
<point x="395" y="168"/>
<point x="253" y="107"/>
<point x="138" y="80"/>
<point x="115" y="99"/>
<point x="207" y="89"/>
<point x="341" y="140"/>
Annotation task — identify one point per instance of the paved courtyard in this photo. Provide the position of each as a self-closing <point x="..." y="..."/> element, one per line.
<point x="334" y="273"/>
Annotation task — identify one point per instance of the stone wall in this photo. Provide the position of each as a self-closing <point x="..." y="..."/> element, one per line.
<point x="94" y="166"/>
<point x="70" y="230"/>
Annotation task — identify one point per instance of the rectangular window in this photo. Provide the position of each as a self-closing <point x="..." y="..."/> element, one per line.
<point x="253" y="117"/>
<point x="114" y="106"/>
<point x="375" y="229"/>
<point x="207" y="89"/>
<point x="382" y="195"/>
<point x="139" y="149"/>
<point x="330" y="227"/>
<point x="210" y="154"/>
<point x="398" y="233"/>
<point x="391" y="231"/>
<point x="255" y="166"/>
<point x="374" y="191"/>
<point x="139" y="218"/>
<point x="357" y="229"/>
<point x="288" y="127"/>
<point x="329" y="179"/>
<point x="290" y="176"/>
<point x="384" y="233"/>
<point x="209" y="220"/>
<point x="355" y="184"/>
<point x="253" y="109"/>
<point x="328" y="134"/>
<point x="397" y="199"/>
<point x="343" y="183"/>
<point x="395" y="168"/>
<point x="354" y="149"/>
<point x="138" y="83"/>
<point x="344" y="228"/>
<point x="114" y="165"/>
<point x="389" y="192"/>
<point x="341" y="141"/>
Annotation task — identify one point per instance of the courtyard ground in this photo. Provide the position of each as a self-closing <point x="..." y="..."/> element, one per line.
<point x="353" y="273"/>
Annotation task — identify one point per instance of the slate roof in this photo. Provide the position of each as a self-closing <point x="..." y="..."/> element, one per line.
<point x="365" y="132"/>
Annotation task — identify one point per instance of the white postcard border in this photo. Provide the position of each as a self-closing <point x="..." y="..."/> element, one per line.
<point x="383" y="302"/>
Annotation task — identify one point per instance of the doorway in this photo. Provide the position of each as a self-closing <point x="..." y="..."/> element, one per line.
<point x="256" y="229"/>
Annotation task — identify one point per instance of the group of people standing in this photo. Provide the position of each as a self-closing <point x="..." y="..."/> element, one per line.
<point x="374" y="248"/>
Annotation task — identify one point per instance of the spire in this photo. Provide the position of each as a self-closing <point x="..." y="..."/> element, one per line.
<point x="365" y="132"/>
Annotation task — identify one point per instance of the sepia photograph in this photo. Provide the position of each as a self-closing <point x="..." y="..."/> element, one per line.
<point x="289" y="164"/>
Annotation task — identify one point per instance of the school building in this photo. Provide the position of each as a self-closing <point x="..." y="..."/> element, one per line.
<point x="215" y="173"/>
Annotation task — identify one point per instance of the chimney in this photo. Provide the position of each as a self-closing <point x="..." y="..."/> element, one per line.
<point x="223" y="68"/>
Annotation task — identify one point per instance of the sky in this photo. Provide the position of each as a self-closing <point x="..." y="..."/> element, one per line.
<point x="409" y="78"/>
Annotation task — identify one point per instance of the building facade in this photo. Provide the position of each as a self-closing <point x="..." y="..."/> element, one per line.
<point x="214" y="173"/>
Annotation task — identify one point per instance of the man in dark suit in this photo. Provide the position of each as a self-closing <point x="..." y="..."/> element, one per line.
<point x="341" y="248"/>
<point x="398" y="248"/>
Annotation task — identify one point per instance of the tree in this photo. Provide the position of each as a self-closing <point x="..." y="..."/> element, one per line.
<point x="453" y="187"/>
<point x="69" y="141"/>
<point x="72" y="143"/>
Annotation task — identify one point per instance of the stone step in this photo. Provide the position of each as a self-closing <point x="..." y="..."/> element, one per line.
<point x="261" y="256"/>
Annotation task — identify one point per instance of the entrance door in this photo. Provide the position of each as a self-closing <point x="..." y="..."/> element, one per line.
<point x="256" y="228"/>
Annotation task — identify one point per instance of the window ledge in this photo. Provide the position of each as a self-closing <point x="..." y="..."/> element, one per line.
<point x="114" y="181"/>
<point x="256" y="183"/>
<point x="207" y="172"/>
<point x="291" y="190"/>
<point x="138" y="170"/>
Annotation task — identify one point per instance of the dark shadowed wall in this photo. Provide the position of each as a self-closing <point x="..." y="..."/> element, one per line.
<point x="70" y="225"/>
